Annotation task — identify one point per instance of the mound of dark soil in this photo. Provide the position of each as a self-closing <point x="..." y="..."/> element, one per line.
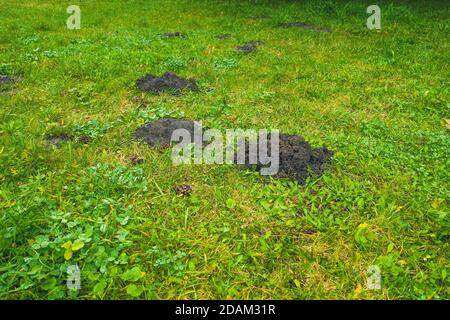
<point x="302" y="25"/>
<point x="57" y="139"/>
<point x="169" y="82"/>
<point x="6" y="79"/>
<point x="6" y="85"/>
<point x="84" y="139"/>
<point x="298" y="159"/>
<point x="174" y="35"/>
<point x="246" y="49"/>
<point x="249" y="46"/>
<point x="158" y="133"/>
<point x="135" y="159"/>
<point x="184" y="189"/>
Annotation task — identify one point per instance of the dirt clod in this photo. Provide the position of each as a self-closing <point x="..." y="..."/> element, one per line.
<point x="169" y="82"/>
<point x="165" y="146"/>
<point x="249" y="46"/>
<point x="57" y="139"/>
<point x="183" y="189"/>
<point x="302" y="25"/>
<point x="6" y="85"/>
<point x="297" y="159"/>
<point x="254" y="43"/>
<point x="84" y="139"/>
<point x="308" y="231"/>
<point x="158" y="133"/>
<point x="246" y="49"/>
<point x="135" y="159"/>
<point x="176" y="34"/>
<point x="5" y="79"/>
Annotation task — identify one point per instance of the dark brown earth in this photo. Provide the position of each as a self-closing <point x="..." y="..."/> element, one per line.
<point x="303" y="25"/>
<point x="183" y="189"/>
<point x="5" y="79"/>
<point x="84" y="139"/>
<point x="174" y="35"/>
<point x="168" y="82"/>
<point x="308" y="231"/>
<point x="159" y="132"/>
<point x="249" y="46"/>
<point x="57" y="139"/>
<point x="298" y="160"/>
<point x="135" y="159"/>
<point x="6" y="85"/>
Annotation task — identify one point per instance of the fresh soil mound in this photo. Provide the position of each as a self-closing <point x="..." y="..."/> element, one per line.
<point x="249" y="46"/>
<point x="6" y="79"/>
<point x="57" y="139"/>
<point x="302" y="25"/>
<point x="184" y="189"/>
<point x="158" y="133"/>
<point x="174" y="35"/>
<point x="169" y="82"/>
<point x="298" y="159"/>
<point x="84" y="139"/>
<point x="135" y="159"/>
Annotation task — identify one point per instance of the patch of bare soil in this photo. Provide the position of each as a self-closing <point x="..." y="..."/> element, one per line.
<point x="84" y="139"/>
<point x="6" y="80"/>
<point x="297" y="159"/>
<point x="176" y="34"/>
<point x="135" y="159"/>
<point x="158" y="133"/>
<point x="249" y="46"/>
<point x="7" y="85"/>
<point x="184" y="189"/>
<point x="57" y="139"/>
<point x="168" y="82"/>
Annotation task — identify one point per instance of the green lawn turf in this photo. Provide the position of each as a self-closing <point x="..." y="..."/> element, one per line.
<point x="379" y="99"/>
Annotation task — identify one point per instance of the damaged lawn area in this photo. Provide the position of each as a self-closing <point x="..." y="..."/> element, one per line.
<point x="77" y="187"/>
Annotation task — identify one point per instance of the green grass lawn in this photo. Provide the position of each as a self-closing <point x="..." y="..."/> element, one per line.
<point x="378" y="98"/>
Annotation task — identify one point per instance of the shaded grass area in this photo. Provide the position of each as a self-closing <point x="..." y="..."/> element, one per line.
<point x="377" y="98"/>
